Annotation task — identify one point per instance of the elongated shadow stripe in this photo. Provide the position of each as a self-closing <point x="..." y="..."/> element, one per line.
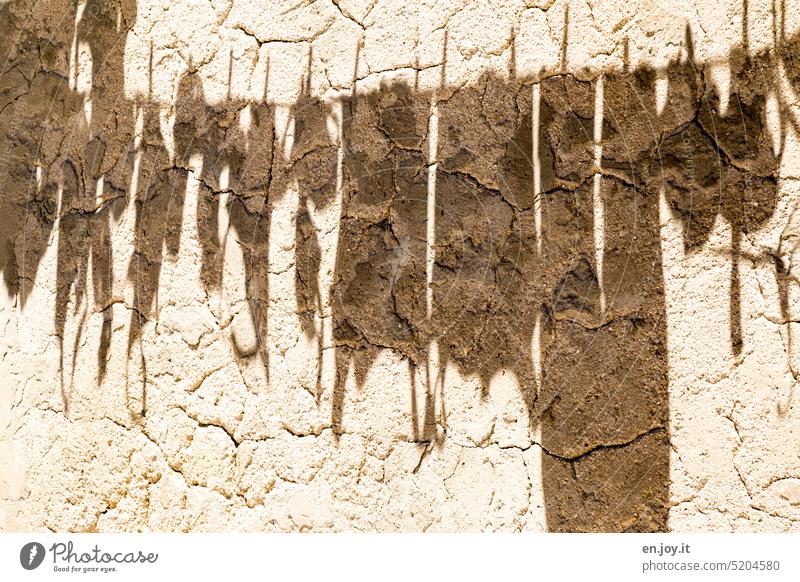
<point x="600" y="399"/>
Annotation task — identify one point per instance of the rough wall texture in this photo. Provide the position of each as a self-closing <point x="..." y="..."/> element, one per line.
<point x="365" y="265"/>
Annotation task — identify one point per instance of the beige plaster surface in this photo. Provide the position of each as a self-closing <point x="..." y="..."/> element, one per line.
<point x="370" y="265"/>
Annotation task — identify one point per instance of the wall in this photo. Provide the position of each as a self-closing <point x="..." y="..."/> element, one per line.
<point x="363" y="266"/>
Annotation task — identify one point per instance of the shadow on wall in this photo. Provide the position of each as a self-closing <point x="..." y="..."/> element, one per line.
<point x="64" y="179"/>
<point x="95" y="171"/>
<point x="491" y="255"/>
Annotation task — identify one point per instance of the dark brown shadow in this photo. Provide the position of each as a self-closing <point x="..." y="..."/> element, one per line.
<point x="236" y="176"/>
<point x="36" y="104"/>
<point x="378" y="295"/>
<point x="93" y="181"/>
<point x="572" y="264"/>
<point x="313" y="164"/>
<point x="602" y="404"/>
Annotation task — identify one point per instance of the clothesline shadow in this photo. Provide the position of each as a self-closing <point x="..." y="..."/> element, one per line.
<point x="488" y="256"/>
